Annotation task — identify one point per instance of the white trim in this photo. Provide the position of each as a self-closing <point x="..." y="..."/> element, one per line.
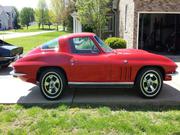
<point x="149" y="12"/>
<point x="137" y="44"/>
<point x="101" y="83"/>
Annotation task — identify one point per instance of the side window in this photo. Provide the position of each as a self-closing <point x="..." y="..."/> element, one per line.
<point x="53" y="44"/>
<point x="83" y="45"/>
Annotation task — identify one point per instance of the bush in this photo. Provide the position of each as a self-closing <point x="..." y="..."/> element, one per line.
<point x="116" y="43"/>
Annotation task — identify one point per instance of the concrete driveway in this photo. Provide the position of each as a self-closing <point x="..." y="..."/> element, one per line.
<point x="13" y="90"/>
<point x="21" y="34"/>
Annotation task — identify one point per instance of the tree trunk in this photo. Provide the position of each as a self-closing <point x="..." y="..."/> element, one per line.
<point x="57" y="27"/>
<point x="39" y="25"/>
<point x="43" y="26"/>
<point x="49" y="27"/>
<point x="64" y="26"/>
<point x="27" y="27"/>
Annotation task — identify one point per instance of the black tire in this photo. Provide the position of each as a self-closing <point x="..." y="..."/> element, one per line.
<point x="149" y="82"/>
<point x="52" y="83"/>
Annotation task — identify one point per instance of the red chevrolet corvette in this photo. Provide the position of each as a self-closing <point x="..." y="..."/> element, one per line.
<point x="83" y="60"/>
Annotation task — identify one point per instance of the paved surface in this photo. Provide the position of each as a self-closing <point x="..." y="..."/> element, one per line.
<point x="21" y="34"/>
<point x="13" y="90"/>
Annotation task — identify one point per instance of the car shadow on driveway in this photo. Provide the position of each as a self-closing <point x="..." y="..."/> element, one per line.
<point x="5" y="71"/>
<point x="114" y="98"/>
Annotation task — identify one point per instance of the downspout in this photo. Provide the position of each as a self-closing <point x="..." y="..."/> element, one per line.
<point x="115" y="14"/>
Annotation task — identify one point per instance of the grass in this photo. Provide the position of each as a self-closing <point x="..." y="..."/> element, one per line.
<point x="28" y="43"/>
<point x="2" y="33"/>
<point x="17" y="120"/>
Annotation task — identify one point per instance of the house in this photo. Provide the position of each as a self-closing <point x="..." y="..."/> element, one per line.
<point x="111" y="29"/>
<point x="152" y="25"/>
<point x="7" y="16"/>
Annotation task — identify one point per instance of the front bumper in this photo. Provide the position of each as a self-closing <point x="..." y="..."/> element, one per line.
<point x="174" y="74"/>
<point x="14" y="74"/>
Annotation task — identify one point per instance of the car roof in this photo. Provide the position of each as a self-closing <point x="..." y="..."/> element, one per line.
<point x="74" y="35"/>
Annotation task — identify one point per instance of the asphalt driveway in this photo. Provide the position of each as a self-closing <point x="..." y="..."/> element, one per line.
<point x="13" y="90"/>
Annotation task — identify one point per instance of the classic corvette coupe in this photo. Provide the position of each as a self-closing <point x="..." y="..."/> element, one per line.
<point x="83" y="60"/>
<point x="8" y="53"/>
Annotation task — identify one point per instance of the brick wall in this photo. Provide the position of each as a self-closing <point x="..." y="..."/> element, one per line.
<point x="128" y="32"/>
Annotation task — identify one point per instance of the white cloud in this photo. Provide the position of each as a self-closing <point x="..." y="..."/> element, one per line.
<point x="19" y="4"/>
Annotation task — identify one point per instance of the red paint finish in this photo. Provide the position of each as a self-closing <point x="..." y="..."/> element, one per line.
<point x="121" y="65"/>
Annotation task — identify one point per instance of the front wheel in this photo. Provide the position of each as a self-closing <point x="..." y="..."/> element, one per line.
<point x="52" y="83"/>
<point x="149" y="82"/>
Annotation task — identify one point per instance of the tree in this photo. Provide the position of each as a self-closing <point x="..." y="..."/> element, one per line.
<point x="16" y="19"/>
<point x="50" y="18"/>
<point x="93" y="13"/>
<point x="61" y="11"/>
<point x="27" y="16"/>
<point x="42" y="13"/>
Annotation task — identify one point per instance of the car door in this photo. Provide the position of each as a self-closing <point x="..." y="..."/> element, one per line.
<point x="88" y="64"/>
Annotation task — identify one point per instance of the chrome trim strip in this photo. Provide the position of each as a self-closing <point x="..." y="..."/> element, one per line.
<point x="101" y="83"/>
<point x="14" y="74"/>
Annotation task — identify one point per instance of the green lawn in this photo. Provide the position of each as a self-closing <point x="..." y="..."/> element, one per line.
<point x="17" y="120"/>
<point x="2" y="33"/>
<point x="33" y="41"/>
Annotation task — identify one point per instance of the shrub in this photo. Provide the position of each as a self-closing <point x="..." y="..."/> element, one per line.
<point x="115" y="42"/>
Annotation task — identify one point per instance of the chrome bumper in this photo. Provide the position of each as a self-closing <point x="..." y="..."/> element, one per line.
<point x="14" y="74"/>
<point x="174" y="74"/>
<point x="14" y="58"/>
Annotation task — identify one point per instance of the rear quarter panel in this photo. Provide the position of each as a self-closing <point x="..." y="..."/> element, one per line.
<point x="31" y="64"/>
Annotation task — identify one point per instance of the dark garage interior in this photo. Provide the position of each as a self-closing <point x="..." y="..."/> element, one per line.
<point x="159" y="33"/>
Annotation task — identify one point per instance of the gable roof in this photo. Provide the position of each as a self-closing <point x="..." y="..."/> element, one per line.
<point x="8" y="8"/>
<point x="1" y="9"/>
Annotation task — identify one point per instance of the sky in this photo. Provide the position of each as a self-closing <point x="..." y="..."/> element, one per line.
<point x="19" y="4"/>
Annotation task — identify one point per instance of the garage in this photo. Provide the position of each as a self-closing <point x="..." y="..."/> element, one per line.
<point x="159" y="32"/>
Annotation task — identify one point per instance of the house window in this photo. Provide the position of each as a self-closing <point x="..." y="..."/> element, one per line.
<point x="126" y="12"/>
<point x="110" y="23"/>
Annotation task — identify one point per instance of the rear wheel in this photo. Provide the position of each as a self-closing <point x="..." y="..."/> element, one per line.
<point x="52" y="83"/>
<point x="149" y="82"/>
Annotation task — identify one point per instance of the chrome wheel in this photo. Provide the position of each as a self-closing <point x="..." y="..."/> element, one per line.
<point x="52" y="84"/>
<point x="149" y="82"/>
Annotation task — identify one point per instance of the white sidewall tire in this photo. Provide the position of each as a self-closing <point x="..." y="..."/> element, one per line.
<point x="139" y="82"/>
<point x="61" y="79"/>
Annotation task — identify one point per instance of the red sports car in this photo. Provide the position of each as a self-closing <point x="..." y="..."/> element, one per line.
<point x="83" y="60"/>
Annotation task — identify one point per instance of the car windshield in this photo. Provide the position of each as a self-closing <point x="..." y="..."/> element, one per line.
<point x="105" y="47"/>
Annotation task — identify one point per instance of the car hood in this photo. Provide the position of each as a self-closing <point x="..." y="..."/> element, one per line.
<point x="143" y="56"/>
<point x="130" y="51"/>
